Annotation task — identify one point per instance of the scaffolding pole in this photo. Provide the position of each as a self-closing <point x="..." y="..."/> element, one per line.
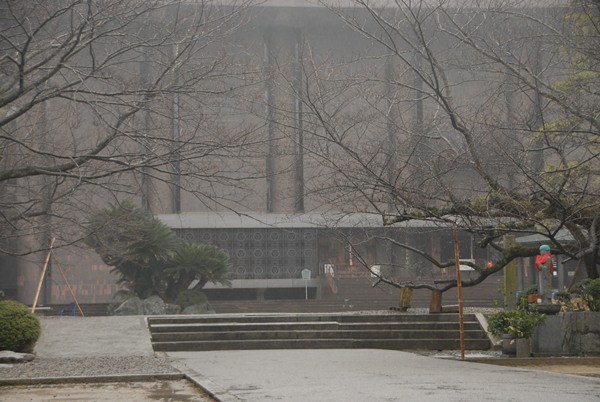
<point x="62" y="273"/>
<point x="39" y="288"/>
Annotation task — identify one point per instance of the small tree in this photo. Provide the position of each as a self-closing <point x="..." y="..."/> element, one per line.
<point x="193" y="261"/>
<point x="147" y="255"/>
<point x="138" y="245"/>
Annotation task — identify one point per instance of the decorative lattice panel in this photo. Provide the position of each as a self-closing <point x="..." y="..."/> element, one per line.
<point x="262" y="253"/>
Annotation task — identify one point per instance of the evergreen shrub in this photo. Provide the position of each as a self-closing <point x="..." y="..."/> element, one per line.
<point x="19" y="327"/>
<point x="589" y="289"/>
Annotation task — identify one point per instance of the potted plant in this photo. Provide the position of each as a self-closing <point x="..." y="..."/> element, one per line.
<point x="531" y="293"/>
<point x="516" y="328"/>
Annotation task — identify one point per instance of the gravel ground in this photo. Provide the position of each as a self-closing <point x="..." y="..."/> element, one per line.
<point x="97" y="379"/>
<point x="88" y="367"/>
<point x="131" y="391"/>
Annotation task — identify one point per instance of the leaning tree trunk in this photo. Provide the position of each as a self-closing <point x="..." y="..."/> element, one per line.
<point x="591" y="265"/>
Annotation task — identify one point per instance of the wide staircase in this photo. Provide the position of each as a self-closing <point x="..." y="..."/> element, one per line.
<point x="316" y="331"/>
<point x="357" y="293"/>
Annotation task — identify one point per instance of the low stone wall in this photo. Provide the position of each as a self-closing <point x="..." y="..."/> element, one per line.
<point x="568" y="334"/>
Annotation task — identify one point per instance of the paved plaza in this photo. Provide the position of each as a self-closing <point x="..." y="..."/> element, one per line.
<point x="310" y="375"/>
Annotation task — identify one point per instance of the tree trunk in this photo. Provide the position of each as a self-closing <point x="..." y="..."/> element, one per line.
<point x="590" y="266"/>
<point x="436" y="302"/>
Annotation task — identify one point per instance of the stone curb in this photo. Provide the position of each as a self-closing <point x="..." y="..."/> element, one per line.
<point x="215" y="390"/>
<point x="5" y="382"/>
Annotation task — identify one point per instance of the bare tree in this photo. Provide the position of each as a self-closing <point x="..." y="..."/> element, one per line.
<point x="477" y="115"/>
<point x="106" y="99"/>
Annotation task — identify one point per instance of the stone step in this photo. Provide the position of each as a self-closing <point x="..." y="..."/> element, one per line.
<point x="392" y="344"/>
<point x="300" y="306"/>
<point x="410" y="326"/>
<point x="350" y="301"/>
<point x="311" y="326"/>
<point x="312" y="334"/>
<point x="245" y="327"/>
<point x="329" y="317"/>
<point x="335" y="330"/>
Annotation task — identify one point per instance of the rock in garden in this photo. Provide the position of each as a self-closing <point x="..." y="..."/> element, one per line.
<point x="7" y="356"/>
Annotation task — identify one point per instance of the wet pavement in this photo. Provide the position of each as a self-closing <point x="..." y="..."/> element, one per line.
<point x="376" y="375"/>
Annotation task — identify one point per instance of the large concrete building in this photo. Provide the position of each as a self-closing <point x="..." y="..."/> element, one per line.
<point x="295" y="78"/>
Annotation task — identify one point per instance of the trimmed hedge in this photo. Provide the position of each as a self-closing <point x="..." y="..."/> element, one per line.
<point x="19" y="327"/>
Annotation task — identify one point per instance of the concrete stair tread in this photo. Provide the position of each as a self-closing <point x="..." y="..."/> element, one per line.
<point x="310" y="317"/>
<point x="337" y="343"/>
<point x="311" y="334"/>
<point x="243" y="326"/>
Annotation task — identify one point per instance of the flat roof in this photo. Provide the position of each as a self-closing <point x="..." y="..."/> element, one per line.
<point x="253" y="220"/>
<point x="391" y="4"/>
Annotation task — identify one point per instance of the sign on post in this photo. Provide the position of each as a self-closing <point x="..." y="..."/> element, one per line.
<point x="306" y="277"/>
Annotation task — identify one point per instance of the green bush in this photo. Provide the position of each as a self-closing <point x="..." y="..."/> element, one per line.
<point x="520" y="323"/>
<point x="589" y="289"/>
<point x="498" y="323"/>
<point x="19" y="327"/>
<point x="531" y="290"/>
<point x="187" y="298"/>
<point x="563" y="296"/>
